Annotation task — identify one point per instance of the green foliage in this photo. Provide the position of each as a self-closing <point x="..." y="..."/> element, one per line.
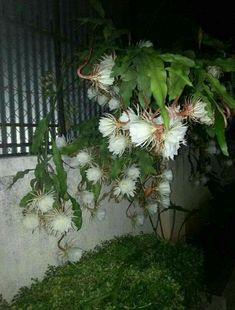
<point x="219" y="131"/>
<point x="177" y="79"/>
<point x="125" y="273"/>
<point x="221" y="91"/>
<point x="40" y="132"/>
<point x="158" y="83"/>
<point x="19" y="175"/>
<point x="61" y="174"/>
<point x="77" y="212"/>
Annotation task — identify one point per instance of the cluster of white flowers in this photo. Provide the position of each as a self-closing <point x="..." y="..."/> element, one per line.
<point x="111" y="99"/>
<point x="143" y="130"/>
<point x="102" y="72"/>
<point x="160" y="197"/>
<point x="42" y="210"/>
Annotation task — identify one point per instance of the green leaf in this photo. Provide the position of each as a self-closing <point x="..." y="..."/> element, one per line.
<point x="56" y="183"/>
<point x="179" y="59"/>
<point x="177" y="80"/>
<point x="129" y="75"/>
<point x="107" y="32"/>
<point x="96" y="5"/>
<point x="77" y="212"/>
<point x="96" y="188"/>
<point x="43" y="176"/>
<point x="221" y="91"/>
<point x="220" y="131"/>
<point x="158" y="86"/>
<point x="72" y="147"/>
<point x="146" y="163"/>
<point x="214" y="43"/>
<point x="227" y="64"/>
<point x="25" y="200"/>
<point x="19" y="175"/>
<point x="143" y="80"/>
<point x="126" y="91"/>
<point x="62" y="175"/>
<point x="116" y="168"/>
<point x="40" y="133"/>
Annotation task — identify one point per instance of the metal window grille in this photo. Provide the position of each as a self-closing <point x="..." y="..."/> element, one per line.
<point x="37" y="37"/>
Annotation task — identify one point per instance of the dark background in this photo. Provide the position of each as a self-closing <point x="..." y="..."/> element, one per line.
<point x="169" y="23"/>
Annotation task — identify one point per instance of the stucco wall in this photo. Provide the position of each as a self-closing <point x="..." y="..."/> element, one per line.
<point x="25" y="255"/>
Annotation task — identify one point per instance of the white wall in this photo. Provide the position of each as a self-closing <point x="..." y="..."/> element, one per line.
<point x="25" y="255"/>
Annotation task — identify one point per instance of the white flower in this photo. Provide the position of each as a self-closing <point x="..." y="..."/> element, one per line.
<point x="94" y="174"/>
<point x="114" y="90"/>
<point x="92" y="93"/>
<point x="173" y="137"/>
<point x="45" y="202"/>
<point x="152" y="208"/>
<point x="165" y="201"/>
<point x="127" y="117"/>
<point x="81" y="159"/>
<point x="60" y="142"/>
<point x="125" y="186"/>
<point x="215" y="71"/>
<point x="199" y="113"/>
<point x="164" y="188"/>
<point x="108" y="125"/>
<point x="59" y="221"/>
<point x="102" y="100"/>
<point x="142" y="132"/>
<point x="143" y="43"/>
<point x="87" y="198"/>
<point x="114" y="103"/>
<point x="74" y="254"/>
<point x="168" y="175"/>
<point x="139" y="220"/>
<point x="174" y="111"/>
<point x="100" y="214"/>
<point x="118" y="144"/>
<point x="31" y="221"/>
<point x="102" y="72"/>
<point x="133" y="172"/>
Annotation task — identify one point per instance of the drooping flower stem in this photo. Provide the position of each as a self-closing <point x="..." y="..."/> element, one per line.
<point x="173" y="224"/>
<point x="160" y="223"/>
<point x="82" y="66"/>
<point x="153" y="227"/>
<point x="59" y="243"/>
